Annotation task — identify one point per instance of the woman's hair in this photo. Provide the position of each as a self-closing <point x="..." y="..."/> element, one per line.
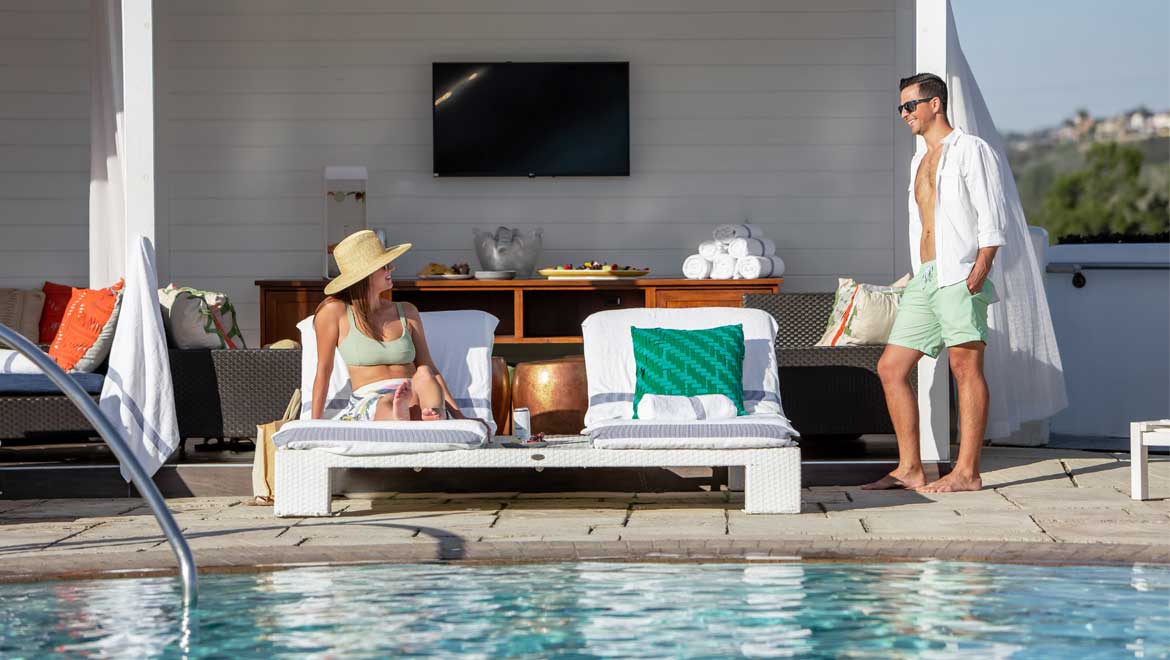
<point x="358" y="296"/>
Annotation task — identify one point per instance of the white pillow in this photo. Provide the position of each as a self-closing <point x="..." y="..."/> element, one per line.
<point x="460" y="343"/>
<point x="609" y="355"/>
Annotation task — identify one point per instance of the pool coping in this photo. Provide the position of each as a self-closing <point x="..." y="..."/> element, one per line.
<point x="161" y="563"/>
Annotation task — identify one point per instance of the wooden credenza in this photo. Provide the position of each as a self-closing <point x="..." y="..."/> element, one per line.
<point x="531" y="311"/>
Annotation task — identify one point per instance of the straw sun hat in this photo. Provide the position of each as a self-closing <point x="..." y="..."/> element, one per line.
<point x="358" y="256"/>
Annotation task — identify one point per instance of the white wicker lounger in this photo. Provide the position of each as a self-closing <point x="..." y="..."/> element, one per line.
<point x="772" y="475"/>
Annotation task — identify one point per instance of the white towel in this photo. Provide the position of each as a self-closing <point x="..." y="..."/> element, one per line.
<point x="723" y="267"/>
<point x="138" y="395"/>
<point x="711" y="248"/>
<point x="751" y="247"/>
<point x="750" y="268"/>
<point x="727" y="232"/>
<point x="696" y="267"/>
<point x="670" y="407"/>
<point x="12" y="362"/>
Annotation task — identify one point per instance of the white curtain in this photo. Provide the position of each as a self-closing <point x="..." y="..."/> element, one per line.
<point x="1022" y="362"/>
<point x="107" y="167"/>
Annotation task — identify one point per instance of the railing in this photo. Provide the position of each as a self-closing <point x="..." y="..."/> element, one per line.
<point x="1079" y="280"/>
<point x="114" y="439"/>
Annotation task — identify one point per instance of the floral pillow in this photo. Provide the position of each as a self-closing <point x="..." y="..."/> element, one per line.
<point x="862" y="313"/>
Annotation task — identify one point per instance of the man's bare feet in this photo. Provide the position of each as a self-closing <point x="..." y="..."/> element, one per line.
<point x="952" y="483"/>
<point x="431" y="415"/>
<point x="401" y="404"/>
<point x="909" y="479"/>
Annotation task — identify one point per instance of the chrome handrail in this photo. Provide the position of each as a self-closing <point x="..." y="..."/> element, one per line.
<point x="115" y="440"/>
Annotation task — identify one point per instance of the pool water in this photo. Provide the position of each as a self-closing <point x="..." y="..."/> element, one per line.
<point x="584" y="610"/>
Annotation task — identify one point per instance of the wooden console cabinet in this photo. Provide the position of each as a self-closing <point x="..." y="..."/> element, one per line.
<point x="532" y="311"/>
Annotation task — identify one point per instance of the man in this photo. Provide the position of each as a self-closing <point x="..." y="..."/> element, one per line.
<point x="957" y="219"/>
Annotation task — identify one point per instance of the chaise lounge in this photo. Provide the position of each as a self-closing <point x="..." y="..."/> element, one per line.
<point x="761" y="442"/>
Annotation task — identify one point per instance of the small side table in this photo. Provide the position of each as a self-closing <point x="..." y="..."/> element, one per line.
<point x="1141" y="436"/>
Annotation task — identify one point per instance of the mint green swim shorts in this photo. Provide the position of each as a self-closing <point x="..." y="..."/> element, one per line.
<point x="930" y="318"/>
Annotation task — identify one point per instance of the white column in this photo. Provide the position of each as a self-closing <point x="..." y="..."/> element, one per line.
<point x="138" y="78"/>
<point x="934" y="400"/>
<point x="122" y="134"/>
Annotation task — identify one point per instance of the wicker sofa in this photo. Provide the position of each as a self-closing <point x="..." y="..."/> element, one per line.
<point x="218" y="394"/>
<point x="827" y="391"/>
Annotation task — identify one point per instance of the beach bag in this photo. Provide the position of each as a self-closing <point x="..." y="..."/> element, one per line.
<point x="199" y="319"/>
<point x="264" y="459"/>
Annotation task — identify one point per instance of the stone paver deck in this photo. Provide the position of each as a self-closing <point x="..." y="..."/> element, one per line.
<point x="1039" y="505"/>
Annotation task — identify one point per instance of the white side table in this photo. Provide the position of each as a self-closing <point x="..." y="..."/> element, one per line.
<point x="1141" y="436"/>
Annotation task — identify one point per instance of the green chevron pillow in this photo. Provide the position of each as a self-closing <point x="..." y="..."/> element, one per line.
<point x="689" y="362"/>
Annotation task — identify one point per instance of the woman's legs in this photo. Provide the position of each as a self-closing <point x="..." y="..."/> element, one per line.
<point x="428" y="395"/>
<point x="395" y="406"/>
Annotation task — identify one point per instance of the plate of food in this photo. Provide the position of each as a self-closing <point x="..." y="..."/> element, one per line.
<point x="437" y="271"/>
<point x="595" y="270"/>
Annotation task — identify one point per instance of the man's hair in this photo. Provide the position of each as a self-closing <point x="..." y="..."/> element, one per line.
<point x="929" y="85"/>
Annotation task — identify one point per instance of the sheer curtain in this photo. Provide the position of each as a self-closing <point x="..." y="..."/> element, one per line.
<point x="1022" y="362"/>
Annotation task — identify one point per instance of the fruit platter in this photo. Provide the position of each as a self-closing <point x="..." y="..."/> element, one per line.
<point x="592" y="270"/>
<point x="437" y="271"/>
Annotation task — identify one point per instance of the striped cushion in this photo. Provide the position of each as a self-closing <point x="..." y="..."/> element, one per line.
<point x="689" y="362"/>
<point x="749" y="432"/>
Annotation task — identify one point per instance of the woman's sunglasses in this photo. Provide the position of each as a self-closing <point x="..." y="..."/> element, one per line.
<point x="909" y="106"/>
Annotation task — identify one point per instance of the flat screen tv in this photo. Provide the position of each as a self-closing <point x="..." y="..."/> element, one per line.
<point x="531" y="119"/>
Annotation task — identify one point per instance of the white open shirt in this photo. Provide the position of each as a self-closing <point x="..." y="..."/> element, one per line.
<point x="969" y="210"/>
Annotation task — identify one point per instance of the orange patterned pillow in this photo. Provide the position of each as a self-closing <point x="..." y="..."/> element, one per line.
<point x="56" y="300"/>
<point x="87" y="328"/>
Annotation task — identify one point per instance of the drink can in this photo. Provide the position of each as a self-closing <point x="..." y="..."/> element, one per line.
<point x="521" y="424"/>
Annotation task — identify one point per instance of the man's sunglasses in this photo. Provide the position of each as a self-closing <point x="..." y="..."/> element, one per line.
<point x="909" y="106"/>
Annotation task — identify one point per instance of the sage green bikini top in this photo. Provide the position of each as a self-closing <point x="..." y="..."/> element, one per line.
<point x="358" y="350"/>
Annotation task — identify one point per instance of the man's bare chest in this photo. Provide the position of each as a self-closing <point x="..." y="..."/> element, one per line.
<point x="924" y="181"/>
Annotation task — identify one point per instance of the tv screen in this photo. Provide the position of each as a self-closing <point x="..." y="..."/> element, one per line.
<point x="531" y="119"/>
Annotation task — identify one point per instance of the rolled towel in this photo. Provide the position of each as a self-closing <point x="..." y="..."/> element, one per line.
<point x="696" y="267"/>
<point x="672" y="407"/>
<point x="751" y="247"/>
<point x="750" y="268"/>
<point x="723" y="267"/>
<point x="727" y="232"/>
<point x="711" y="248"/>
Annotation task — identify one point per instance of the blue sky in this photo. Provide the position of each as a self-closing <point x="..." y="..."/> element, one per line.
<point x="1037" y="61"/>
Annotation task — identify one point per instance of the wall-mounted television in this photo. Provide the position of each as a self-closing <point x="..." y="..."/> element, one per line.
<point x="531" y="119"/>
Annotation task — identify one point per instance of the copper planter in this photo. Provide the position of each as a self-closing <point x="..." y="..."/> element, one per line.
<point x="555" y="393"/>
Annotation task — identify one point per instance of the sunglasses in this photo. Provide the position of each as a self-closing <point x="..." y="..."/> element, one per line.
<point x="909" y="106"/>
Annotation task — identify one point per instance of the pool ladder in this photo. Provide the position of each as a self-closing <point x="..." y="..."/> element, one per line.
<point x="117" y="443"/>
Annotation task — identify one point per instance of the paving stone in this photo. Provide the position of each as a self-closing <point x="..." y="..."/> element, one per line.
<point x="1104" y="527"/>
<point x="567" y="506"/>
<point x="976" y="526"/>
<point x="868" y="502"/>
<point x="73" y="509"/>
<point x="778" y="527"/>
<point x="1018" y="473"/>
<point x="1047" y="499"/>
<point x="24" y="538"/>
<point x="821" y="495"/>
<point x="354" y="532"/>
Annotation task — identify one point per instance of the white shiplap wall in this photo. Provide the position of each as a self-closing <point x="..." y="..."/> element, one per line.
<point x="777" y="111"/>
<point x="44" y="142"/>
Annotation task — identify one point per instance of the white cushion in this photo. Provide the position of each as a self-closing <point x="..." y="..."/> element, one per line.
<point x="756" y="431"/>
<point x="461" y="346"/>
<point x="609" y="355"/>
<point x="380" y="438"/>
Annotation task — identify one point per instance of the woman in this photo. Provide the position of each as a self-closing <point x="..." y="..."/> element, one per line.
<point x="382" y="343"/>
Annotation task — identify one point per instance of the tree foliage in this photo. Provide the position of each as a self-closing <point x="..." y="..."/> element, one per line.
<point x="1107" y="195"/>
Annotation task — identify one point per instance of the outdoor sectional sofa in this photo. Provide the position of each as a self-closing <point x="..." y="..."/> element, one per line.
<point x="761" y="442"/>
<point x="829" y="392"/>
<point x="218" y="394"/>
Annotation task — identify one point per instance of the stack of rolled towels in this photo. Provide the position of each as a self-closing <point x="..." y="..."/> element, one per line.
<point x="734" y="252"/>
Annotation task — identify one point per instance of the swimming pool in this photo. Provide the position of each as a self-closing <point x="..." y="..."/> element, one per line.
<point x="580" y="610"/>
